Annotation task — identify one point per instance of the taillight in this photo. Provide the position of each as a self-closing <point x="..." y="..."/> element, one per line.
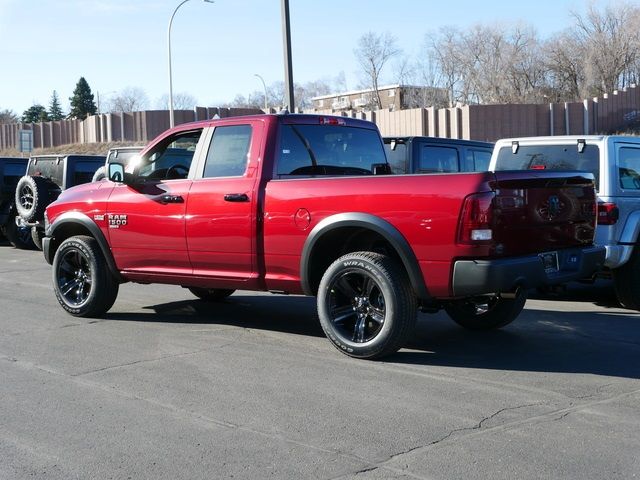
<point x="608" y="213"/>
<point x="332" y="121"/>
<point x="476" y="219"/>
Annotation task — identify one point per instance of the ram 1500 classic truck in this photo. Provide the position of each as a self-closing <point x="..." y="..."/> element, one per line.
<point x="304" y="204"/>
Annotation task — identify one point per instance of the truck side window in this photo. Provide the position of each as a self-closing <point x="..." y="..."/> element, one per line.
<point x="172" y="158"/>
<point x="629" y="168"/>
<point x="228" y="153"/>
<point x="438" y="159"/>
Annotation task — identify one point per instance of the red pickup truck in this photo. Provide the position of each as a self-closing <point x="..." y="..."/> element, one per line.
<point x="305" y="204"/>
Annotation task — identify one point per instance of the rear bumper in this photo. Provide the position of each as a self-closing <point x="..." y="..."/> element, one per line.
<point x="478" y="277"/>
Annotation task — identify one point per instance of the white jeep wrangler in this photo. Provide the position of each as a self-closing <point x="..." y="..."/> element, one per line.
<point x="615" y="162"/>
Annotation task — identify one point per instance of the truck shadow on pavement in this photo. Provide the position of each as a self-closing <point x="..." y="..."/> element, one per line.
<point x="599" y="343"/>
<point x="592" y="341"/>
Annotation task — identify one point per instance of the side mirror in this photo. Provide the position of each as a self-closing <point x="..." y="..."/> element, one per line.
<point x="116" y="172"/>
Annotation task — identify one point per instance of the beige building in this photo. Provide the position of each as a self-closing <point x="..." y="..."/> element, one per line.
<point x="392" y="97"/>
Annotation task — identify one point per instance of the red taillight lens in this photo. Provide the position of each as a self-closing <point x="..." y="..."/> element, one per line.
<point x="332" y="121"/>
<point x="608" y="213"/>
<point x="476" y="218"/>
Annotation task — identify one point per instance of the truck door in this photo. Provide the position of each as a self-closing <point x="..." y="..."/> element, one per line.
<point x="147" y="219"/>
<point x="222" y="207"/>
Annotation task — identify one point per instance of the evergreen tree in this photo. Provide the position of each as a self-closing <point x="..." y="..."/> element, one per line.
<point x="55" y="111"/>
<point x="35" y="113"/>
<point x="82" y="104"/>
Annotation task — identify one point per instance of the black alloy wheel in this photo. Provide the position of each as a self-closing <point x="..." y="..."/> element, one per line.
<point x="82" y="281"/>
<point x="366" y="305"/>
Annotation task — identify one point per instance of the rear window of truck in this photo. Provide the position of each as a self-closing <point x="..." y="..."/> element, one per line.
<point x="328" y="150"/>
<point x="550" y="157"/>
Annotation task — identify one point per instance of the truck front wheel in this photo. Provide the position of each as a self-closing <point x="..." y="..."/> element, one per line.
<point x="366" y="305"/>
<point x="486" y="313"/>
<point x="82" y="281"/>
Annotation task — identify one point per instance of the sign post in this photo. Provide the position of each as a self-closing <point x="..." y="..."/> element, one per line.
<point x="25" y="141"/>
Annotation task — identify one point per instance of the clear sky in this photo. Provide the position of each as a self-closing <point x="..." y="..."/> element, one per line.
<point x="48" y="45"/>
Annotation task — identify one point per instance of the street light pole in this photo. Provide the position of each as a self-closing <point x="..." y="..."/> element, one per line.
<point x="264" y="85"/>
<point x="171" y="119"/>
<point x="288" y="69"/>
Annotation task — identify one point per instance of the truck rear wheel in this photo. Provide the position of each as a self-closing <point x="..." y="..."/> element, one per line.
<point x="211" y="294"/>
<point x="626" y="280"/>
<point x="82" y="281"/>
<point x="486" y="313"/>
<point x="366" y="305"/>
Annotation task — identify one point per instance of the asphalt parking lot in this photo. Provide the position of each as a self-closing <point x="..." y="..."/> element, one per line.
<point x="169" y="387"/>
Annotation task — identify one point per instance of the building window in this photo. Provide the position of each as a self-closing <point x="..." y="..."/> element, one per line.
<point x="392" y="93"/>
<point x="321" y="103"/>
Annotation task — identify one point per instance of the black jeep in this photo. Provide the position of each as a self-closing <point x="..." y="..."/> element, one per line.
<point x="46" y="177"/>
<point x="11" y="169"/>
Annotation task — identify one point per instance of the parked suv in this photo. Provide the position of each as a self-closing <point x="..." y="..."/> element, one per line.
<point x="615" y="163"/>
<point x="436" y="155"/>
<point x="46" y="177"/>
<point x="11" y="169"/>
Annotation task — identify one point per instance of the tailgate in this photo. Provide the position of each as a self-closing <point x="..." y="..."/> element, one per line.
<point x="539" y="211"/>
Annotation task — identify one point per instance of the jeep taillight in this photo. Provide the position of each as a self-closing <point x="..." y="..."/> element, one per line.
<point x="476" y="218"/>
<point x="608" y="213"/>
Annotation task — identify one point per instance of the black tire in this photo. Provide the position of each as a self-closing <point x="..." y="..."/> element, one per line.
<point x="626" y="280"/>
<point x="19" y="237"/>
<point x="211" y="294"/>
<point x="486" y="313"/>
<point x="82" y="282"/>
<point x="100" y="174"/>
<point x="37" y="234"/>
<point x="366" y="306"/>
<point x="32" y="197"/>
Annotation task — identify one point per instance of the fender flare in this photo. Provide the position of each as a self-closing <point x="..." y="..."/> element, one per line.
<point x="370" y="222"/>
<point x="83" y="220"/>
<point x="631" y="229"/>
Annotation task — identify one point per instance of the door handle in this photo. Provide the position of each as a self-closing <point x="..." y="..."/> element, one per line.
<point x="171" y="199"/>
<point x="236" y="197"/>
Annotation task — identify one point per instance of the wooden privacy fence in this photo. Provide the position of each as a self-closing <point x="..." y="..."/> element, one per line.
<point x="605" y="114"/>
<point x="137" y="127"/>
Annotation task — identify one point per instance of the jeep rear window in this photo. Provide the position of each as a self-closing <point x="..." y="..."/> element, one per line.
<point x="328" y="150"/>
<point x="550" y="157"/>
<point x="397" y="157"/>
<point x="51" y="168"/>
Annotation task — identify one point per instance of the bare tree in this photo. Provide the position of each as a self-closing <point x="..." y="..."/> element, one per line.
<point x="374" y="50"/>
<point x="129" y="99"/>
<point x="564" y="59"/>
<point x="8" y="116"/>
<point x="181" y="101"/>
<point x="611" y="42"/>
<point x="445" y="51"/>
